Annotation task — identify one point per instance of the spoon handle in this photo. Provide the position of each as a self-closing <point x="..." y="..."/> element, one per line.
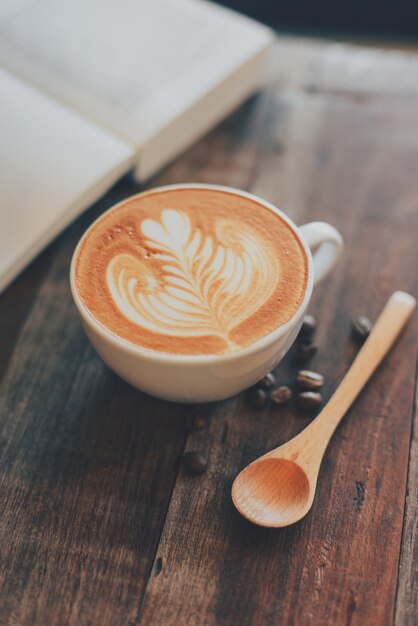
<point x="389" y="324"/>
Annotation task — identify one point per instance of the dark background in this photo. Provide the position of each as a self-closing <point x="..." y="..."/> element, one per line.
<point x="389" y="18"/>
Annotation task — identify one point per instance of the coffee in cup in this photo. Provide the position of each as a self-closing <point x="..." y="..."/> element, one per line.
<point x="191" y="271"/>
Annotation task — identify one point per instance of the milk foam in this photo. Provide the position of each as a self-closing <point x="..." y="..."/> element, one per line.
<point x="205" y="285"/>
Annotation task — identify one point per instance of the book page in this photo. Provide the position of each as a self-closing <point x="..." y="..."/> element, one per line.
<point x="132" y="65"/>
<point x="53" y="164"/>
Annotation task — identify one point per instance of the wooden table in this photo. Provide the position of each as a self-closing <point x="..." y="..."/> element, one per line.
<point x="100" y="523"/>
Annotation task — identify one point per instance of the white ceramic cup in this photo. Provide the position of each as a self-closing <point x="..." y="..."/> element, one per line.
<point x="184" y="378"/>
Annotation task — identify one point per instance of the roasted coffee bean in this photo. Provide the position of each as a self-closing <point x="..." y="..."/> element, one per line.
<point x="267" y="382"/>
<point x="308" y="328"/>
<point x="257" y="397"/>
<point x="195" y="463"/>
<point x="309" y="400"/>
<point x="305" y="351"/>
<point x="309" y="380"/>
<point x="361" y="327"/>
<point x="199" y="423"/>
<point x="281" y="395"/>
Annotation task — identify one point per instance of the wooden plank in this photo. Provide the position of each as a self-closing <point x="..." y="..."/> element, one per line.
<point x="326" y="154"/>
<point x="87" y="467"/>
<point x="407" y="596"/>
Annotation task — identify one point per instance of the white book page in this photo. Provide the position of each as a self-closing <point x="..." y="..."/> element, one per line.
<point x="133" y="66"/>
<point x="53" y="163"/>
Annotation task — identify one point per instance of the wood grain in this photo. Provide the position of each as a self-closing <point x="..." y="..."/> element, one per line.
<point x="15" y="303"/>
<point x="100" y="524"/>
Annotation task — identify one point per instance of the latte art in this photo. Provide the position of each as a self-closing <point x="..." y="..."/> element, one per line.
<point x="191" y="271"/>
<point x="207" y="285"/>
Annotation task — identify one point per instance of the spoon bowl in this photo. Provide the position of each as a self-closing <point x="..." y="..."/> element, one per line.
<point x="276" y="491"/>
<point x="273" y="489"/>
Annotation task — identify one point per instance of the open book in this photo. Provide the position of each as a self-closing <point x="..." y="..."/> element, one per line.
<point x="91" y="89"/>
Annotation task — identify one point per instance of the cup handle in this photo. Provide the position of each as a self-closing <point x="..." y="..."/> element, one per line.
<point x="327" y="244"/>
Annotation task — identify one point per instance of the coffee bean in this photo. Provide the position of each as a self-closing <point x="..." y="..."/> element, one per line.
<point x="199" y="423"/>
<point x="309" y="380"/>
<point x="281" y="395"/>
<point x="309" y="400"/>
<point x="308" y="328"/>
<point x="305" y="351"/>
<point x="267" y="382"/>
<point x="195" y="463"/>
<point x="361" y="327"/>
<point x="257" y="397"/>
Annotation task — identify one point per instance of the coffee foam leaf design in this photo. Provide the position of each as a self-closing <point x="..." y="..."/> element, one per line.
<point x="204" y="285"/>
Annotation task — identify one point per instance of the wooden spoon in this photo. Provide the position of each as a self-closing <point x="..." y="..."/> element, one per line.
<point x="278" y="488"/>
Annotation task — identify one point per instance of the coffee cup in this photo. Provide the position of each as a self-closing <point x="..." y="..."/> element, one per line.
<point x="207" y="377"/>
